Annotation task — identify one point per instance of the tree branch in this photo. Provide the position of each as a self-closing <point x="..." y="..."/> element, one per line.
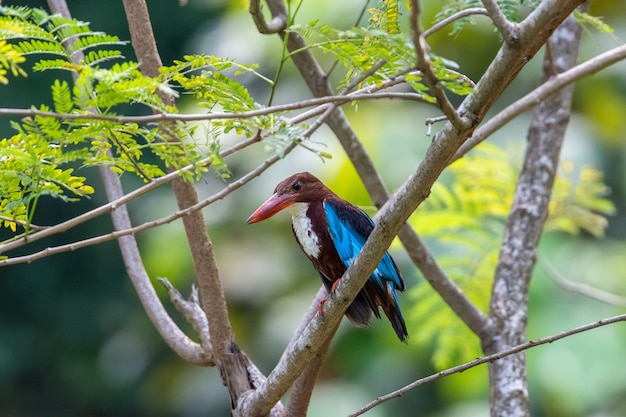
<point x="545" y="90"/>
<point x="277" y="24"/>
<point x="232" y="363"/>
<point x="169" y="331"/>
<point x="509" y="297"/>
<point x="302" y="388"/>
<point x="507" y="28"/>
<point x="367" y="93"/>
<point x="533" y="32"/>
<point x="192" y="312"/>
<point x="580" y="287"/>
<point x="488" y="359"/>
<point x="422" y="51"/>
<point x="396" y="211"/>
<point x="456" y="16"/>
<point x="136" y="229"/>
<point x="173" y="336"/>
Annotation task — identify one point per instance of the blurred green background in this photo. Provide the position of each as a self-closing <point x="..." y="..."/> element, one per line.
<point x="74" y="340"/>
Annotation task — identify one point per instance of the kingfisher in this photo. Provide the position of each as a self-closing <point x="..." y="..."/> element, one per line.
<point x="332" y="232"/>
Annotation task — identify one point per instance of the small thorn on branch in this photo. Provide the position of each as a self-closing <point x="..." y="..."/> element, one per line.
<point x="191" y="311"/>
<point x="431" y="121"/>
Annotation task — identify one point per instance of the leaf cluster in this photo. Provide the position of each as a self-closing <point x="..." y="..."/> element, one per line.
<point x="387" y="15"/>
<point x="105" y="84"/>
<point x="359" y="49"/>
<point x="510" y="9"/>
<point x="467" y="219"/>
<point x="31" y="167"/>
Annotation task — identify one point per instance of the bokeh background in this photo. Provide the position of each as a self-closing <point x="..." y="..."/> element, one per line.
<point x="74" y="340"/>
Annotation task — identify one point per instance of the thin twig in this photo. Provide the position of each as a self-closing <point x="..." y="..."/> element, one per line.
<point x="456" y="16"/>
<point x="164" y="220"/>
<point x="147" y="225"/>
<point x="424" y="64"/>
<point x="23" y="224"/>
<point x="431" y="121"/>
<point x="580" y="287"/>
<point x="163" y="117"/>
<point x="486" y="359"/>
<point x="363" y="76"/>
<point x="105" y="208"/>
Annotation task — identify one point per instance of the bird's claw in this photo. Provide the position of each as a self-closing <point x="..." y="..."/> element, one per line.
<point x="331" y="294"/>
<point x="320" y="307"/>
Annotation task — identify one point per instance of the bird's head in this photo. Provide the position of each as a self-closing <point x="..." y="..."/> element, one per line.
<point x="299" y="188"/>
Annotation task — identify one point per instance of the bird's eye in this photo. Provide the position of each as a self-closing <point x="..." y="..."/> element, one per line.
<point x="297" y="186"/>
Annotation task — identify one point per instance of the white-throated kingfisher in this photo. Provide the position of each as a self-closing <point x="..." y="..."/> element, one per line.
<point x="332" y="232"/>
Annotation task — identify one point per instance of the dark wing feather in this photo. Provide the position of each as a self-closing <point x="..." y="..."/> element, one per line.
<point x="349" y="228"/>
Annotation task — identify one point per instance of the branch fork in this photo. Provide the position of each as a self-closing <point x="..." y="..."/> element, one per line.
<point x="192" y="312"/>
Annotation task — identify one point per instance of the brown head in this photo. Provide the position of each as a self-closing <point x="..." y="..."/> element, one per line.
<point x="299" y="188"/>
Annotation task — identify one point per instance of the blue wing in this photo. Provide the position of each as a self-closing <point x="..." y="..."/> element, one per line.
<point x="349" y="228"/>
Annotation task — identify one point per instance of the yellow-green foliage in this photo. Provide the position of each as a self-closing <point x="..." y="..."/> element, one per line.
<point x="467" y="217"/>
<point x="359" y="49"/>
<point x="32" y="168"/>
<point x="10" y="60"/>
<point x="386" y="16"/>
<point x="36" y="160"/>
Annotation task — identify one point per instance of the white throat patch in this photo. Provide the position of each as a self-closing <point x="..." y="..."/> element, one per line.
<point x="303" y="229"/>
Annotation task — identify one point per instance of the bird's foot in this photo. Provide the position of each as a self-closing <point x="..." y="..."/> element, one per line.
<point x="320" y="307"/>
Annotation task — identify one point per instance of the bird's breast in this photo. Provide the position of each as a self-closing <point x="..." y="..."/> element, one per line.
<point x="303" y="229"/>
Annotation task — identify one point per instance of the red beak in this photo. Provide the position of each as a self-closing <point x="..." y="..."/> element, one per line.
<point x="273" y="205"/>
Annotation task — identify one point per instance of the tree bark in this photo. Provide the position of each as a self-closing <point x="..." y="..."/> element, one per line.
<point x="509" y="302"/>
<point x="231" y="361"/>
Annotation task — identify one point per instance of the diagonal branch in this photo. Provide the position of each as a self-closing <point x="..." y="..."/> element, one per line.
<point x="580" y="287"/>
<point x="116" y="204"/>
<point x="173" y="336"/>
<point x="456" y="16"/>
<point x="232" y="363"/>
<point x="302" y="388"/>
<point x="338" y="122"/>
<point x="540" y="24"/>
<point x="542" y="92"/>
<point x="488" y="359"/>
<point x="367" y="93"/>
